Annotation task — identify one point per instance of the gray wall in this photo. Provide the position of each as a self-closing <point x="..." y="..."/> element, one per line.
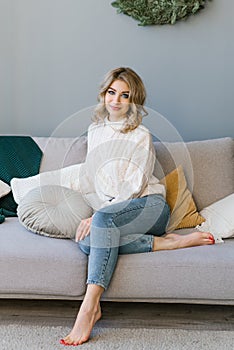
<point x="54" y="54"/>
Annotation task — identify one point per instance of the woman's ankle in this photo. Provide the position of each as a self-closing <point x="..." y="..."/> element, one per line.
<point x="158" y="244"/>
<point x="92" y="297"/>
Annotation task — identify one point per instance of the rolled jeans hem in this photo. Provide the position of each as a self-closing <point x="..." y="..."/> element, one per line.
<point x="151" y="243"/>
<point x="97" y="284"/>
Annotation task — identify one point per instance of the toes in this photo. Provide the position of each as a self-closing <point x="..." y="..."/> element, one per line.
<point x="66" y="341"/>
<point x="207" y="235"/>
<point x="63" y="342"/>
<point x="69" y="341"/>
<point x="209" y="240"/>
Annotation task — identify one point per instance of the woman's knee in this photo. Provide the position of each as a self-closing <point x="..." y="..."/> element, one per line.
<point x="162" y="205"/>
<point x="104" y="233"/>
<point x="159" y="212"/>
<point x="166" y="211"/>
<point x="102" y="219"/>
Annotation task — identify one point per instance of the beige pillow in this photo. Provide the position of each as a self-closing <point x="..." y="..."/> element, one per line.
<point x="4" y="189"/>
<point x="184" y="212"/>
<point x="53" y="211"/>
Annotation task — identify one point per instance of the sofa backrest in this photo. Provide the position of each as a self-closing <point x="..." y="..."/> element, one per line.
<point x="208" y="165"/>
<point x="61" y="152"/>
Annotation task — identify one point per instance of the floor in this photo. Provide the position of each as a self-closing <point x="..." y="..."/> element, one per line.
<point x="120" y="315"/>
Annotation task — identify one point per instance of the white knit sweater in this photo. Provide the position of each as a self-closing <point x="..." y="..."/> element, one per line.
<point x="118" y="167"/>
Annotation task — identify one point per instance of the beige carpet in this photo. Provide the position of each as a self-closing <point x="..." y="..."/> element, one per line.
<point x="25" y="337"/>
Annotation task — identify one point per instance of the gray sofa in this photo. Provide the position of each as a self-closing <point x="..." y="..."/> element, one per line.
<point x="34" y="266"/>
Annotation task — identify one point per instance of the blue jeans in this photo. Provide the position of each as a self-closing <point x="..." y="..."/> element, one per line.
<point x="124" y="228"/>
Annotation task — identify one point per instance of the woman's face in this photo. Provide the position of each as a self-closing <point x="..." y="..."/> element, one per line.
<point x="117" y="100"/>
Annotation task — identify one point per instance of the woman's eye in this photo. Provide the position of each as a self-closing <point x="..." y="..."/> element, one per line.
<point x="111" y="92"/>
<point x="125" y="96"/>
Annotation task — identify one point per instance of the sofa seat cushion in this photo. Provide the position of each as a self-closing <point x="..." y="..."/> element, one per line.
<point x="33" y="264"/>
<point x="205" y="273"/>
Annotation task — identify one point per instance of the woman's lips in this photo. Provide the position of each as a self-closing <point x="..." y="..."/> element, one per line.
<point x="115" y="108"/>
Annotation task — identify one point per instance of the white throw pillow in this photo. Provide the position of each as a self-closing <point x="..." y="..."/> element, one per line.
<point x="67" y="177"/>
<point x="4" y="189"/>
<point x="219" y="218"/>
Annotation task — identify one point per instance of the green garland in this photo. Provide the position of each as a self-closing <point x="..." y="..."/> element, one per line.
<point x="150" y="12"/>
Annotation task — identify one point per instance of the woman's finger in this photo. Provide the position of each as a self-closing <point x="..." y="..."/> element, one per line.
<point x="83" y="229"/>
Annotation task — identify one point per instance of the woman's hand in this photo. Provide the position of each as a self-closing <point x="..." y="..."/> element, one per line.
<point x="83" y="229"/>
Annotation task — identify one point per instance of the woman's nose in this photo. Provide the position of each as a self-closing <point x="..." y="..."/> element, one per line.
<point x="116" y="98"/>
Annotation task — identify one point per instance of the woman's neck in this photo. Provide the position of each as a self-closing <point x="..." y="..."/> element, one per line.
<point x="115" y="119"/>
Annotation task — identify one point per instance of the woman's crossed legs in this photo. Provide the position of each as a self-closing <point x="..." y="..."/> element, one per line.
<point x="133" y="226"/>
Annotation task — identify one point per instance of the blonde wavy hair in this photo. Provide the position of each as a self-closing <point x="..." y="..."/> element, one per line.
<point x="137" y="97"/>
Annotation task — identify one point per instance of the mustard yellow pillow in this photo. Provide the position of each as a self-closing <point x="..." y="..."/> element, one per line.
<point x="184" y="212"/>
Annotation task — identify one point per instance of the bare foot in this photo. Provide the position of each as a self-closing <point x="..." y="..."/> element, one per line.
<point x="176" y="241"/>
<point x="83" y="326"/>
